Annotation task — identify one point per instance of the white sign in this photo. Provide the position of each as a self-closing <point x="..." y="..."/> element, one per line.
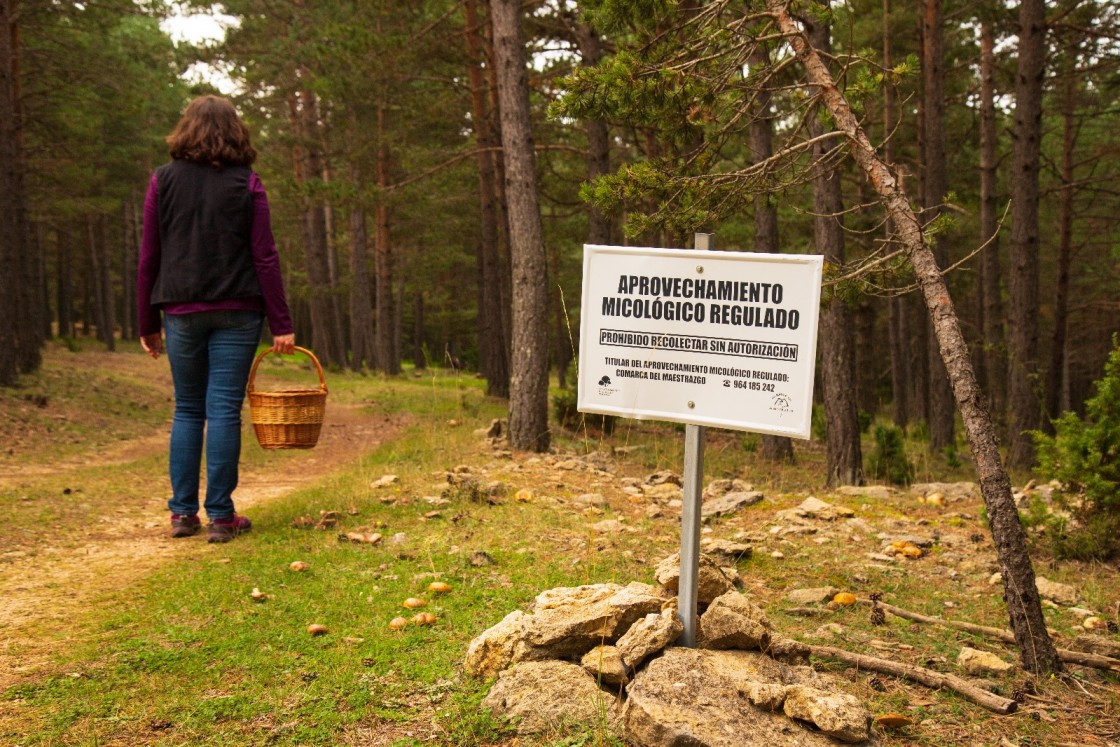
<point x="725" y="339"/>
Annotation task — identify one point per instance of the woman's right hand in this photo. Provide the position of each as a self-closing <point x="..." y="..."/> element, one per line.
<point x="152" y="344"/>
<point x="284" y="344"/>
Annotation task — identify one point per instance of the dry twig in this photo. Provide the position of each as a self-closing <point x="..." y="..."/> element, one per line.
<point x="927" y="677"/>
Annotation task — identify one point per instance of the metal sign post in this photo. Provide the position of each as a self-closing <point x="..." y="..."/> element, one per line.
<point x="687" y="590"/>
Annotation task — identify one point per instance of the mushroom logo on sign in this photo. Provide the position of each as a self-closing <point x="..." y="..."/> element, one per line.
<point x="782" y="403"/>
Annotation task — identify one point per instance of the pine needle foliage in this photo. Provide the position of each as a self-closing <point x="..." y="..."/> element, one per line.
<point x="1083" y="455"/>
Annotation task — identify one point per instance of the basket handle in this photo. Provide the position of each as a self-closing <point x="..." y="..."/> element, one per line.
<point x="305" y="351"/>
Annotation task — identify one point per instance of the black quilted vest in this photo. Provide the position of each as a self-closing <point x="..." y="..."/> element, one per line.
<point x="205" y="223"/>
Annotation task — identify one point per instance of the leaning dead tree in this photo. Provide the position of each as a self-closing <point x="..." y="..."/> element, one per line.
<point x="696" y="77"/>
<point x="1023" y="603"/>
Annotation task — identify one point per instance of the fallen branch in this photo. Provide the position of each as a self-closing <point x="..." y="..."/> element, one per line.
<point x="1096" y="661"/>
<point x="1085" y="659"/>
<point x="927" y="677"/>
<point x="1001" y="633"/>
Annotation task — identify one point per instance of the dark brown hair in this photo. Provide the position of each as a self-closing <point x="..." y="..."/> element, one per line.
<point x="210" y="131"/>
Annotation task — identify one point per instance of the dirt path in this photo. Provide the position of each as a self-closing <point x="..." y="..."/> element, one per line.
<point x="45" y="589"/>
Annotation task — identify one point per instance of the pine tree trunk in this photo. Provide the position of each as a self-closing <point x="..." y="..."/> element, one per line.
<point x="129" y="249"/>
<point x="528" y="412"/>
<point x="917" y="344"/>
<point x="897" y="329"/>
<point x="326" y="328"/>
<point x="774" y="448"/>
<point x="1023" y="400"/>
<point x="991" y="300"/>
<point x="900" y="363"/>
<point x="64" y="299"/>
<point x="838" y="371"/>
<point x="598" y="138"/>
<point x="501" y="201"/>
<point x="98" y="271"/>
<point x="22" y="339"/>
<point x="361" y="307"/>
<point x="868" y="355"/>
<point x="935" y="187"/>
<point x="10" y="244"/>
<point x="383" y="259"/>
<point x="419" y="358"/>
<point x="109" y="311"/>
<point x="492" y="339"/>
<point x="1023" y="603"/>
<point x="1055" y="374"/>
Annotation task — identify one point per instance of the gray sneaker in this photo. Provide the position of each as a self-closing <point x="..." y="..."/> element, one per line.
<point x="223" y="530"/>
<point x="184" y="525"/>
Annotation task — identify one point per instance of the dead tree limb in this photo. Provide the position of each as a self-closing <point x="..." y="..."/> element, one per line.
<point x="927" y="677"/>
<point x="999" y="633"/>
<point x="1082" y="658"/>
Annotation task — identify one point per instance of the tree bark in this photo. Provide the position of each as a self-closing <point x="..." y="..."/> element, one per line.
<point x="1023" y="603"/>
<point x="1055" y="373"/>
<point x="1023" y="400"/>
<point x="419" y="357"/>
<point x="991" y="301"/>
<point x="383" y="259"/>
<point x="326" y="328"/>
<point x="837" y="344"/>
<point x="935" y="187"/>
<point x="129" y="248"/>
<point x="64" y="293"/>
<point x="493" y="343"/>
<point x="100" y="279"/>
<point x="22" y="335"/>
<point x="598" y="138"/>
<point x="501" y="200"/>
<point x="897" y="330"/>
<point x="528" y="412"/>
<point x="109" y="311"/>
<point x="361" y="306"/>
<point x="10" y="197"/>
<point x="774" y="448"/>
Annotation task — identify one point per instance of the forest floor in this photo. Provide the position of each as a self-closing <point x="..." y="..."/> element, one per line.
<point x="113" y="634"/>
<point x="102" y="541"/>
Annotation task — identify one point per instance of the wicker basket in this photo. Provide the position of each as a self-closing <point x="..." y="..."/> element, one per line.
<point x="290" y="418"/>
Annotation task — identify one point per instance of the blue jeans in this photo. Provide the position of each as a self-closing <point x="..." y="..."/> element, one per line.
<point x="211" y="353"/>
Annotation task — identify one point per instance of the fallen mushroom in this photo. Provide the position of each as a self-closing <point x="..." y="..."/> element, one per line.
<point x="299" y="565"/>
<point x="317" y="629"/>
<point x="905" y="548"/>
<point x="412" y="603"/>
<point x="424" y="618"/>
<point x="893" y="720"/>
<point x="439" y="587"/>
<point x="397" y="623"/>
<point x="258" y="595"/>
<point x="365" y="538"/>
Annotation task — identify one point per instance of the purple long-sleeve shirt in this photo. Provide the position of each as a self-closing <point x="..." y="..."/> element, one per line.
<point x="266" y="260"/>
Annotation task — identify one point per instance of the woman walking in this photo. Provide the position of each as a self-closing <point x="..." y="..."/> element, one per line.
<point x="209" y="263"/>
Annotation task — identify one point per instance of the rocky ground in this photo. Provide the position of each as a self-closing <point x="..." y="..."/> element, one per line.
<point x="827" y="571"/>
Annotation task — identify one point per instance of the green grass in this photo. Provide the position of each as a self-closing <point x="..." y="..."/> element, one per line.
<point x="187" y="657"/>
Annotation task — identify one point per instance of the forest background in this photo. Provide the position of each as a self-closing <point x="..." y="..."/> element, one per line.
<point x="387" y="158"/>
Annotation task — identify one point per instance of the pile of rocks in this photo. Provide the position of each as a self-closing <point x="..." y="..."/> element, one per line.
<point x="601" y="657"/>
